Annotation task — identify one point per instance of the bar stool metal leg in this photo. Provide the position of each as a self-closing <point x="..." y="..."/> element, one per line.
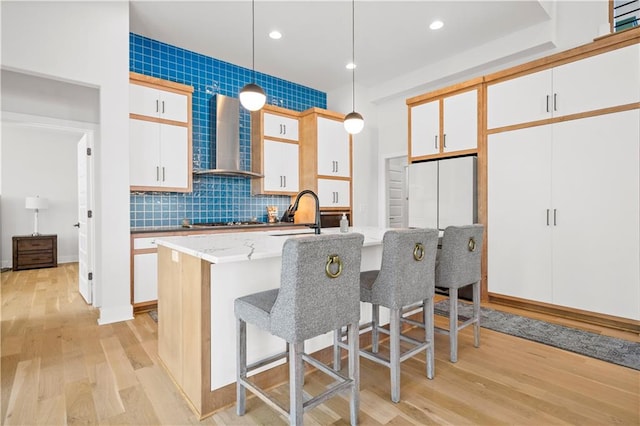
<point x="427" y="311"/>
<point x="476" y="314"/>
<point x="375" y="323"/>
<point x="353" y="331"/>
<point x="296" y="382"/>
<point x="394" y="355"/>
<point x="241" y="370"/>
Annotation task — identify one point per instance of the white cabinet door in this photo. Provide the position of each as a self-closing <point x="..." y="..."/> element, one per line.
<point x="280" y="166"/>
<point x="158" y="154"/>
<point x="144" y="153"/>
<point x="145" y="277"/>
<point x="519" y="196"/>
<point x="596" y="237"/>
<point x="174" y="152"/>
<point x="334" y="193"/>
<point x="460" y="118"/>
<point x="519" y="100"/>
<point x="333" y="149"/>
<point x="151" y="102"/>
<point x="279" y="126"/>
<point x="425" y="129"/>
<point x="423" y="195"/>
<point x="456" y="192"/>
<point x="601" y="81"/>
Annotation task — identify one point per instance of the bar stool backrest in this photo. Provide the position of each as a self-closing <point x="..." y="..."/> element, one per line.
<point x="459" y="259"/>
<point x="404" y="277"/>
<point x="316" y="294"/>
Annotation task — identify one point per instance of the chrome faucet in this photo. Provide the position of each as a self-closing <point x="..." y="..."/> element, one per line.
<point x="291" y="211"/>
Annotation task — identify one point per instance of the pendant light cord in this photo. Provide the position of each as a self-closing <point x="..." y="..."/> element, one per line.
<point x="353" y="55"/>
<point x="253" y="41"/>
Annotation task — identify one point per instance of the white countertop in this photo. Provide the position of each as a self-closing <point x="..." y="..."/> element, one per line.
<point x="243" y="246"/>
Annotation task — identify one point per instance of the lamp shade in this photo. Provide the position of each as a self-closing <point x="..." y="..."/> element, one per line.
<point x="36" y="203"/>
<point x="353" y="123"/>
<point x="252" y="97"/>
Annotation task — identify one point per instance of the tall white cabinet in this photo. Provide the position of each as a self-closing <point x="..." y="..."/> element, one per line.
<point x="563" y="187"/>
<point x="160" y="147"/>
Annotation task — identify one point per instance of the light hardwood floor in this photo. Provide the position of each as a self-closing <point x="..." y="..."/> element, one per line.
<point x="59" y="367"/>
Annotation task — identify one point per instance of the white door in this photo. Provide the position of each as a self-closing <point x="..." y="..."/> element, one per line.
<point x="460" y="118"/>
<point x="85" y="225"/>
<point x="396" y="197"/>
<point x="425" y="128"/>
<point x="519" y="203"/>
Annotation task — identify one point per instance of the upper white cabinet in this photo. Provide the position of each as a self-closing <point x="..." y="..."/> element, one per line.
<point x="154" y="102"/>
<point x="334" y="149"/>
<point x="563" y="208"/>
<point x="280" y="126"/>
<point x="275" y="151"/>
<point x="280" y="167"/>
<point x="159" y="135"/>
<point x="596" y="82"/>
<point x="444" y="122"/>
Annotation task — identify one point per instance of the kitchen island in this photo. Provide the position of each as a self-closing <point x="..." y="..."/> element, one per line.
<point x="199" y="277"/>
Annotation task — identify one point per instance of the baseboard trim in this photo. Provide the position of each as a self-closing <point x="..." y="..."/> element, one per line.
<point x="603" y="320"/>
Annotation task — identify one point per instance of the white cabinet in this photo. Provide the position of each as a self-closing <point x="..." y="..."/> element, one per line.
<point x="158" y="155"/>
<point x="458" y="114"/>
<point x="334" y="193"/>
<point x="563" y="208"/>
<point x="145" y="277"/>
<point x="275" y="151"/>
<point x="442" y="193"/>
<point x="280" y="167"/>
<point x="596" y="82"/>
<point x="154" y="102"/>
<point x="280" y="126"/>
<point x="160" y="152"/>
<point x="334" y="149"/>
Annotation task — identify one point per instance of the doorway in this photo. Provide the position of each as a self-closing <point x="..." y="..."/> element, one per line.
<point x="396" y="192"/>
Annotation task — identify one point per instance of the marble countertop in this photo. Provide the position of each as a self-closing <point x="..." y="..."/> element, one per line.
<point x="192" y="228"/>
<point x="244" y="246"/>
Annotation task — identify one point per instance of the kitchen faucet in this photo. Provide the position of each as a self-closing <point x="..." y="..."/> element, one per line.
<point x="291" y="211"/>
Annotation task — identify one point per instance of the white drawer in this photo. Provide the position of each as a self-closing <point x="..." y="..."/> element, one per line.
<point x="144" y="243"/>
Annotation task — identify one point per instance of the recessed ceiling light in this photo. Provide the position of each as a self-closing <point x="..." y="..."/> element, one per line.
<point x="275" y="34"/>
<point x="436" y="25"/>
<point x="351" y="66"/>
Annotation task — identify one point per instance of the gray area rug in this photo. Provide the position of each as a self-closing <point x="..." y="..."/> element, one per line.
<point x="610" y="349"/>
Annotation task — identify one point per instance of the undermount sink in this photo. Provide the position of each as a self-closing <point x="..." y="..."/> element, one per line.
<point x="289" y="234"/>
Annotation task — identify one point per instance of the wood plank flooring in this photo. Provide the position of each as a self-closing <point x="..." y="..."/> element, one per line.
<point x="58" y="367"/>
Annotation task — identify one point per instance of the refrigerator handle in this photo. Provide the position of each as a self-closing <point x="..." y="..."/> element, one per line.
<point x="435" y="138"/>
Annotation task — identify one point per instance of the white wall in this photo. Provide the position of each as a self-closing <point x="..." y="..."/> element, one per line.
<point x="571" y="23"/>
<point x="87" y="43"/>
<point x="40" y="162"/>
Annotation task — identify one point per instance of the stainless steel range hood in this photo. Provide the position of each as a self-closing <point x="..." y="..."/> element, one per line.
<point x="225" y="151"/>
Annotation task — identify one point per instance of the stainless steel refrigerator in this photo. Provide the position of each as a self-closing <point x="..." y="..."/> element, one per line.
<point x="443" y="193"/>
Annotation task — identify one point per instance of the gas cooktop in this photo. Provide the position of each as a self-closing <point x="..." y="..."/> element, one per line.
<point x="238" y="223"/>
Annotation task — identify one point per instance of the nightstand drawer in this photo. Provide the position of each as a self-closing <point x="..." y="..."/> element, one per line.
<point x="35" y="244"/>
<point x="35" y="259"/>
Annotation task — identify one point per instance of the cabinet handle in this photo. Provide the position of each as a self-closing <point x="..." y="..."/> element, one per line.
<point x="163" y="173"/>
<point x="435" y="139"/>
<point x="284" y="129"/>
<point x="554" y="218"/>
<point x="444" y="140"/>
<point x="547" y="217"/>
<point x="547" y="103"/>
<point x="158" y="173"/>
<point x="336" y="167"/>
<point x="157" y="105"/>
<point x="163" y="107"/>
<point x="337" y="197"/>
<point x="284" y="179"/>
<point x="555" y="101"/>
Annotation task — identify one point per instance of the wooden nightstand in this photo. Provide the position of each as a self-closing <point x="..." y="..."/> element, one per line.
<point x="39" y="251"/>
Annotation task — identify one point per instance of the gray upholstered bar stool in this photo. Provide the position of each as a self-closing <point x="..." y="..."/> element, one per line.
<point x="458" y="265"/>
<point x="319" y="292"/>
<point x="406" y="277"/>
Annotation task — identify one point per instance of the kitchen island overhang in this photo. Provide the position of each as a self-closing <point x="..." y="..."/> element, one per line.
<point x="199" y="277"/>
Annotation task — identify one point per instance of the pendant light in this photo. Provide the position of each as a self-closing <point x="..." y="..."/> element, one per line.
<point x="353" y="122"/>
<point x="252" y="97"/>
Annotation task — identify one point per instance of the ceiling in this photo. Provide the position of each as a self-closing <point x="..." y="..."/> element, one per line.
<point x="392" y="38"/>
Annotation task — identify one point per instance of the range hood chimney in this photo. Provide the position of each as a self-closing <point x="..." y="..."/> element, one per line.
<point x="227" y="141"/>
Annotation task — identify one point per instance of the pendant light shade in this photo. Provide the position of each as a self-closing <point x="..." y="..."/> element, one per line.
<point x="353" y="122"/>
<point x="252" y="97"/>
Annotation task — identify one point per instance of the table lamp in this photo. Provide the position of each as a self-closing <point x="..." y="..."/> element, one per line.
<point x="35" y="204"/>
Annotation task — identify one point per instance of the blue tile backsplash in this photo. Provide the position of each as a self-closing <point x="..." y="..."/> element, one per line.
<point x="214" y="198"/>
